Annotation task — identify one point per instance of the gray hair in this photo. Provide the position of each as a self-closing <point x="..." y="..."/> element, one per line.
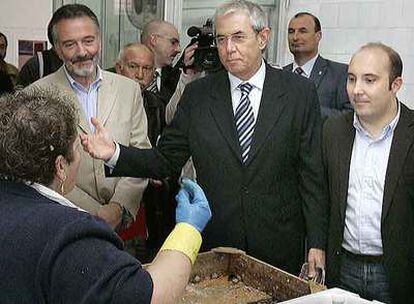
<point x="71" y="11"/>
<point x="134" y="45"/>
<point x="255" y="12"/>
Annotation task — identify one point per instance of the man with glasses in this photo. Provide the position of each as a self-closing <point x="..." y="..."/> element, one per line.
<point x="254" y="133"/>
<point x="162" y="38"/>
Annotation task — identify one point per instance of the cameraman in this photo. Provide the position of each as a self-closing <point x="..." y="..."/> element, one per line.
<point x="189" y="73"/>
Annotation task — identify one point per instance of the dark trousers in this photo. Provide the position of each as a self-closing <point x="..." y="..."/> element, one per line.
<point x="368" y="280"/>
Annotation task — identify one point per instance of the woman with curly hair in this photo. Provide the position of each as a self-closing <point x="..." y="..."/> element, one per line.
<point x="53" y="252"/>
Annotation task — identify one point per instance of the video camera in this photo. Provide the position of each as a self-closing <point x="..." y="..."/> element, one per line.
<point x="206" y="56"/>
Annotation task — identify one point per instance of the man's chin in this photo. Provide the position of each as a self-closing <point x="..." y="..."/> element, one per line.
<point x="83" y="72"/>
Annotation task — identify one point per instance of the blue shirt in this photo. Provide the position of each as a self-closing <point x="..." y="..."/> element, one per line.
<point x="88" y="98"/>
<point x="362" y="233"/>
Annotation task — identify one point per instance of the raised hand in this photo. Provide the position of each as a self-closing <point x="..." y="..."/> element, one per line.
<point x="99" y="145"/>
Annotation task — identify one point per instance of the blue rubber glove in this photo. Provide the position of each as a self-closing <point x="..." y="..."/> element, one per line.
<point x="192" y="205"/>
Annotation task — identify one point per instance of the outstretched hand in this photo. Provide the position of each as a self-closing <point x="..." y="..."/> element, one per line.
<point x="99" y="145"/>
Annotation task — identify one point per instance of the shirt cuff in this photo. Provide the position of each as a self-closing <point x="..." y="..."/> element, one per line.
<point x="111" y="163"/>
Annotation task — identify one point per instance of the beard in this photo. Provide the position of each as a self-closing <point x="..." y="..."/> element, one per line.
<point x="80" y="70"/>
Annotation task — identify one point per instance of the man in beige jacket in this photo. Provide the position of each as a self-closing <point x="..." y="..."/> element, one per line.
<point x="113" y="99"/>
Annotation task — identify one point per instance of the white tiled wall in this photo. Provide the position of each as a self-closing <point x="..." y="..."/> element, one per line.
<point x="348" y="24"/>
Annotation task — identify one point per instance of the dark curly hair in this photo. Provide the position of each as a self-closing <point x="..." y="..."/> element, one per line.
<point x="36" y="126"/>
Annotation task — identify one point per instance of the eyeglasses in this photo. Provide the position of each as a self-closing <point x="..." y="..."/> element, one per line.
<point x="237" y="38"/>
<point x="172" y="40"/>
<point x="136" y="68"/>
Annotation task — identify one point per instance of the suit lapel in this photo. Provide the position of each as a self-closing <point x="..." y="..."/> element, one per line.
<point x="271" y="106"/>
<point x="222" y="111"/>
<point x="106" y="97"/>
<point x="345" y="145"/>
<point x="402" y="140"/>
<point x="318" y="70"/>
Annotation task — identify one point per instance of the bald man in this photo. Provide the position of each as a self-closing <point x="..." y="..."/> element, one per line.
<point x="162" y="38"/>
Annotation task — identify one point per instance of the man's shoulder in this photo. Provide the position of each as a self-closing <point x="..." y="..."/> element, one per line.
<point x="54" y="80"/>
<point x="11" y="69"/>
<point x="335" y="65"/>
<point x="406" y="113"/>
<point x="204" y="83"/>
<point x="288" y="67"/>
<point x="287" y="78"/>
<point x="338" y="123"/>
<point x="119" y="79"/>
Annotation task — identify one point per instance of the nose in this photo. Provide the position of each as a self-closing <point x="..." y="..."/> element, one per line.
<point x="295" y="35"/>
<point x="178" y="48"/>
<point x="80" y="49"/>
<point x="354" y="87"/>
<point x="230" y="46"/>
<point x="140" y="73"/>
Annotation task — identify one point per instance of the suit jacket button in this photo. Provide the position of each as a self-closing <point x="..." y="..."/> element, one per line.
<point x="337" y="252"/>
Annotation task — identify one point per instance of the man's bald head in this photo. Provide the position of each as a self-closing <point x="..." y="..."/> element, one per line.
<point x="162" y="38"/>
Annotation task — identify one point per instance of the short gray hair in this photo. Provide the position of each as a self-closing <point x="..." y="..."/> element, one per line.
<point x="71" y="11"/>
<point x="133" y="45"/>
<point x="254" y="11"/>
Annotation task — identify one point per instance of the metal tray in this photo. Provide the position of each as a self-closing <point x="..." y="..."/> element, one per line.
<point x="228" y="264"/>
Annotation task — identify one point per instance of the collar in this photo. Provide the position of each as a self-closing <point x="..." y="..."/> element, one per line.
<point x="257" y="80"/>
<point x="53" y="195"/>
<point x="75" y="84"/>
<point x="387" y="129"/>
<point x="307" y="67"/>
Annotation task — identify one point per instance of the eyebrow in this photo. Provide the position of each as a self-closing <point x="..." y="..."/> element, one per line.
<point x="235" y="33"/>
<point x="364" y="75"/>
<point x="86" y="37"/>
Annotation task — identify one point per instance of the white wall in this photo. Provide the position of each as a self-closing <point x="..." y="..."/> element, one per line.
<point x="22" y="19"/>
<point x="348" y="24"/>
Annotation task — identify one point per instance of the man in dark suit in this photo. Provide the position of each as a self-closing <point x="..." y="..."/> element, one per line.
<point x="254" y="135"/>
<point x="369" y="159"/>
<point x="329" y="77"/>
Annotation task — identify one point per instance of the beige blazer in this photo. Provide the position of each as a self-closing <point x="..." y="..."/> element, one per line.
<point x="121" y="111"/>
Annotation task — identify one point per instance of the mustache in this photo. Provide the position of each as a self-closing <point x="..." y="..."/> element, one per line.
<point x="77" y="59"/>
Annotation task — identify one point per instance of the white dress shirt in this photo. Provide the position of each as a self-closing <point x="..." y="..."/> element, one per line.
<point x="158" y="79"/>
<point x="369" y="161"/>
<point x="307" y="67"/>
<point x="88" y="98"/>
<point x="257" y="81"/>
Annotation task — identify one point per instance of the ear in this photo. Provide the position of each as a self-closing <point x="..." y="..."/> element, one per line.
<point x="396" y="85"/>
<point x="319" y="36"/>
<point x="118" y="67"/>
<point x="153" y="40"/>
<point x="60" y="164"/>
<point x="264" y="36"/>
<point x="58" y="50"/>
